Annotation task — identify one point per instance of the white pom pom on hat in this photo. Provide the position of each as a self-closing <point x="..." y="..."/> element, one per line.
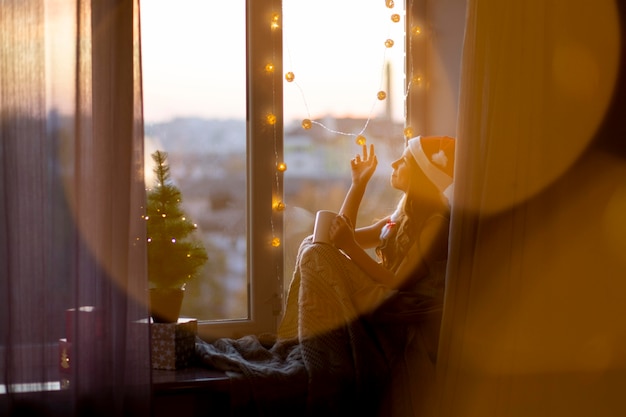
<point x="435" y="156"/>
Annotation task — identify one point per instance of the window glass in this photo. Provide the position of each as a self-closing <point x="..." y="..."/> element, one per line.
<point x="194" y="78"/>
<point x="338" y="56"/>
<point x="194" y="69"/>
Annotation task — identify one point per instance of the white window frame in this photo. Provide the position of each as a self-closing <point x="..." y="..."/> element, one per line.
<point x="264" y="149"/>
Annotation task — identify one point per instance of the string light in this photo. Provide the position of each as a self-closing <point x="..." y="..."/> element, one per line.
<point x="307" y="123"/>
<point x="274" y="21"/>
<point x="271" y="120"/>
<point x="381" y="95"/>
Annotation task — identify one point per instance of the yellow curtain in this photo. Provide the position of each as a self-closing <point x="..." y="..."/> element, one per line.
<point x="537" y="271"/>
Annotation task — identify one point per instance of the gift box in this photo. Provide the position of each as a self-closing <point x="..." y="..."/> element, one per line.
<point x="173" y="344"/>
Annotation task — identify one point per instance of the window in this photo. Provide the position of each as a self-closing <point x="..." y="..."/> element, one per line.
<point x="197" y="109"/>
<point x="225" y="149"/>
<point x="356" y="52"/>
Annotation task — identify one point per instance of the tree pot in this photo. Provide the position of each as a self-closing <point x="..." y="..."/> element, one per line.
<point x="165" y="304"/>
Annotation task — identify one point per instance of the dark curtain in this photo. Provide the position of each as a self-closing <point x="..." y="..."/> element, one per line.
<point x="72" y="251"/>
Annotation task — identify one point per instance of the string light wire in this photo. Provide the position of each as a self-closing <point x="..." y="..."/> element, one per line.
<point x="387" y="44"/>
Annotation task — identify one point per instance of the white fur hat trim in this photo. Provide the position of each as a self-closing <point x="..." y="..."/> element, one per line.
<point x="441" y="180"/>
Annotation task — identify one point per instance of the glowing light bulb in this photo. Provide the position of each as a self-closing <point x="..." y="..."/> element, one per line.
<point x="408" y="132"/>
<point x="275" y="242"/>
<point x="149" y="239"/>
<point x="163" y="215"/>
<point x="395" y="17"/>
<point x="381" y="95"/>
<point x="389" y="43"/>
<point x="280" y="206"/>
<point x="281" y="167"/>
<point x="270" y="119"/>
<point x="173" y="240"/>
<point x="290" y="76"/>
<point x="269" y="68"/>
<point x="307" y="124"/>
<point x="360" y="140"/>
<point x="275" y="20"/>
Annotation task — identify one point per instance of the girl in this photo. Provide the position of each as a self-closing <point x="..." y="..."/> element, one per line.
<point x="359" y="336"/>
<point x="377" y="315"/>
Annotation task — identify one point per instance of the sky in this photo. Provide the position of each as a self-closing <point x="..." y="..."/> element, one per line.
<point x="194" y="58"/>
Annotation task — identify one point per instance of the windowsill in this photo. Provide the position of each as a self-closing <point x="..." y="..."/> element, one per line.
<point x="162" y="380"/>
<point x="186" y="392"/>
<point x="186" y="379"/>
<point x="190" y="392"/>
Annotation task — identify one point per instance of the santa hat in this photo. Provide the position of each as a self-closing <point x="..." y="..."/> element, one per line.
<point x="435" y="156"/>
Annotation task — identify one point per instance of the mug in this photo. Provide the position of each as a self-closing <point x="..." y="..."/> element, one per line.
<point x="323" y="220"/>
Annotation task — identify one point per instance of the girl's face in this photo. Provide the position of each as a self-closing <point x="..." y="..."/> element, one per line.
<point x="400" y="177"/>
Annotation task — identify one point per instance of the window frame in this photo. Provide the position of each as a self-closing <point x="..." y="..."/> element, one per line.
<point x="264" y="183"/>
<point x="264" y="150"/>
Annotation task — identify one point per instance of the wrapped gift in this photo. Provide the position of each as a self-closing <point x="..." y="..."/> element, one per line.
<point x="173" y="344"/>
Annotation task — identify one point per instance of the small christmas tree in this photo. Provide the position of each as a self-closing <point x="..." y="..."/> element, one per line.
<point x="173" y="257"/>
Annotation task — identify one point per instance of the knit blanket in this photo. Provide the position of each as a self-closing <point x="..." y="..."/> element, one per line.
<point x="325" y="359"/>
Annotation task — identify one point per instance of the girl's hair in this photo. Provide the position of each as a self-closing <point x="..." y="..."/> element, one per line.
<point x="421" y="199"/>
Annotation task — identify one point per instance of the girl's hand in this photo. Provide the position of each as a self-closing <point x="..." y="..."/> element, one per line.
<point x="342" y="232"/>
<point x="363" y="167"/>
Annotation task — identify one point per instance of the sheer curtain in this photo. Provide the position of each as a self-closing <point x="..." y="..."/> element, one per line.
<point x="71" y="199"/>
<point x="536" y="290"/>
